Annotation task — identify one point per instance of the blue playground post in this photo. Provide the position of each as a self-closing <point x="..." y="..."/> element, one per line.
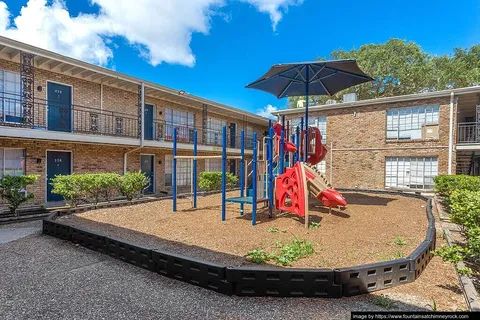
<point x="281" y="153"/>
<point x="254" y="180"/>
<point x="174" y="171"/>
<point x="224" y="169"/>
<point x="242" y="169"/>
<point x="307" y="85"/>
<point x="302" y="159"/>
<point x="297" y="142"/>
<point x="270" y="170"/>
<point x="194" y="179"/>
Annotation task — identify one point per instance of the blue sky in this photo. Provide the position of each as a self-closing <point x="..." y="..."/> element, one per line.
<point x="225" y="44"/>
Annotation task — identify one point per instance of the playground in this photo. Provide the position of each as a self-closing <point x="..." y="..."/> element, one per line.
<point x="340" y="239"/>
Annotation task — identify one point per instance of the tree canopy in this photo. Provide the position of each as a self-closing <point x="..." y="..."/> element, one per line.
<point x="400" y="67"/>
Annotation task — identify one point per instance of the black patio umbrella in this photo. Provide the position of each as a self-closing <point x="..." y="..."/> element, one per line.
<point x="310" y="78"/>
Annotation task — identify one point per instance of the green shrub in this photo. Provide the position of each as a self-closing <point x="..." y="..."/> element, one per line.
<point x="447" y="184"/>
<point x="464" y="207"/>
<point x="133" y="184"/>
<point x="111" y="183"/>
<point x="257" y="256"/>
<point x="73" y="188"/>
<point x="213" y="180"/>
<point x="13" y="189"/>
<point x="292" y="251"/>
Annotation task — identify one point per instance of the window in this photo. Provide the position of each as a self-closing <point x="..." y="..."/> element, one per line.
<point x="10" y="93"/>
<point x="12" y="162"/>
<point x="249" y="137"/>
<point x="214" y="131"/>
<point x="183" y="121"/>
<point x="184" y="171"/>
<point x="322" y="166"/>
<point x="410" y="172"/>
<point x="407" y="123"/>
<point x="319" y="122"/>
<point x="213" y="165"/>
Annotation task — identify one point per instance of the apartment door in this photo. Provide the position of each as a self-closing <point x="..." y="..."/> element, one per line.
<point x="148" y="125"/>
<point x="59" y="107"/>
<point x="147" y="167"/>
<point x="233" y="132"/>
<point x="58" y="163"/>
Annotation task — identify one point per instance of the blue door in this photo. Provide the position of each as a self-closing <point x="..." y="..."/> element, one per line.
<point x="147" y="168"/>
<point x="59" y="107"/>
<point x="148" y="128"/>
<point x="58" y="162"/>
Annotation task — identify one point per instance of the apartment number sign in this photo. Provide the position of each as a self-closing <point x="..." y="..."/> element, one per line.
<point x="58" y="91"/>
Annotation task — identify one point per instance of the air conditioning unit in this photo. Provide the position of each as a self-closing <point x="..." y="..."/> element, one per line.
<point x="350" y="97"/>
<point x="430" y="131"/>
<point x="331" y="101"/>
<point x="300" y="103"/>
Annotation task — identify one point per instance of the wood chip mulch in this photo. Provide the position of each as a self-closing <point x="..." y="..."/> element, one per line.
<point x="369" y="230"/>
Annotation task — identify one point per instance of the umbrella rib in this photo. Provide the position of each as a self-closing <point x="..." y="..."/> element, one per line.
<point x="350" y="73"/>
<point x="316" y="73"/>
<point x="284" y="90"/>
<point x="325" y="88"/>
<point x="290" y="78"/>
<point x="299" y="72"/>
<point x="324" y="77"/>
<point x="265" y="79"/>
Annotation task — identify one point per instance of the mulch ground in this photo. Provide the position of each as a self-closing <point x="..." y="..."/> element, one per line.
<point x="367" y="231"/>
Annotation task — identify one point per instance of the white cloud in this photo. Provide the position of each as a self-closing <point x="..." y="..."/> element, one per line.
<point x="267" y="111"/>
<point x="274" y="8"/>
<point x="161" y="31"/>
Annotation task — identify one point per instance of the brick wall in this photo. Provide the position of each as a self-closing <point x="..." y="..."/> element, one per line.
<point x="360" y="146"/>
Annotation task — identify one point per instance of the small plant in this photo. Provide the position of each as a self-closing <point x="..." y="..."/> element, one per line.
<point x="384" y="302"/>
<point x="71" y="187"/>
<point x="465" y="271"/>
<point x="273" y="230"/>
<point x="433" y="306"/>
<point x="213" y="180"/>
<point x="399" y="241"/>
<point x="13" y="189"/>
<point x="133" y="184"/>
<point x="314" y="225"/>
<point x="257" y="256"/>
<point x="290" y="252"/>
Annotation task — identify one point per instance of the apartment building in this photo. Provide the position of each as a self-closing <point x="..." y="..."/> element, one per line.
<point x="398" y="142"/>
<point x="61" y="116"/>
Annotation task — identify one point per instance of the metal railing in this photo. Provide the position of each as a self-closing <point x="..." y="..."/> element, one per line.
<point x="67" y="118"/>
<point x="468" y="132"/>
<point x="74" y="118"/>
<point x="162" y="130"/>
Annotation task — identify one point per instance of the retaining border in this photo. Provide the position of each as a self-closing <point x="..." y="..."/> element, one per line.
<point x="259" y="281"/>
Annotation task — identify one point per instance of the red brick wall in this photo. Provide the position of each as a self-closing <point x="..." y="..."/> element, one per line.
<point x="360" y="146"/>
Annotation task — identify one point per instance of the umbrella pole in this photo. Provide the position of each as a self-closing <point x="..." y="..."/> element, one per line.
<point x="305" y="157"/>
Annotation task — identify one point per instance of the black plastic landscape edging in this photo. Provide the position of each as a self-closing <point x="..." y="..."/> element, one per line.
<point x="259" y="281"/>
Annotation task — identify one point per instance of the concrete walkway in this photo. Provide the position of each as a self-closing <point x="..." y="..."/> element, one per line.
<point x="13" y="232"/>
<point x="46" y="278"/>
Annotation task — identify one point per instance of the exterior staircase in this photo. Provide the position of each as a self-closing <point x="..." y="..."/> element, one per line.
<point x="464" y="162"/>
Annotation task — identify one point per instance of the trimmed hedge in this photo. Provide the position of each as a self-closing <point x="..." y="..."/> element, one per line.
<point x="94" y="187"/>
<point x="213" y="180"/>
<point x="462" y="198"/>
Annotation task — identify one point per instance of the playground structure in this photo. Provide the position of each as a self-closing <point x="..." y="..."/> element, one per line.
<point x="278" y="176"/>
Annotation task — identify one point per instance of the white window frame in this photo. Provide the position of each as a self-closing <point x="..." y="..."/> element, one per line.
<point x="320" y="122"/>
<point x="214" y="130"/>
<point x="183" y="120"/>
<point x="398" y="172"/>
<point x="407" y="123"/>
<point x="184" y="171"/>
<point x="12" y="98"/>
<point x="2" y="155"/>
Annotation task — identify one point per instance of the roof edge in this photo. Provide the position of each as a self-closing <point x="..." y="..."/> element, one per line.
<point x="409" y="97"/>
<point x="121" y="76"/>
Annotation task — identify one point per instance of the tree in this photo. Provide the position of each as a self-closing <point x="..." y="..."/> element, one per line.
<point x="13" y="189"/>
<point x="400" y="67"/>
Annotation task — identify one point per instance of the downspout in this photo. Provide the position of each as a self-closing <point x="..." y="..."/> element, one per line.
<point x="450" y="134"/>
<point x="142" y="125"/>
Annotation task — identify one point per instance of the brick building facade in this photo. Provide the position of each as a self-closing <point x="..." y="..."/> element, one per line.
<point x="98" y="128"/>
<point x="432" y="138"/>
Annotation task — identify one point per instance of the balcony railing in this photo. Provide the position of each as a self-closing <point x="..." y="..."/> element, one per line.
<point x="468" y="132"/>
<point x="93" y="121"/>
<point x="67" y="118"/>
<point x="163" y="131"/>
